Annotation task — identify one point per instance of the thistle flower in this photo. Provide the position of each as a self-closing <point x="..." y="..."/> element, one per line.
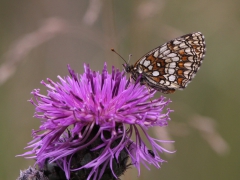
<point x="89" y="121"/>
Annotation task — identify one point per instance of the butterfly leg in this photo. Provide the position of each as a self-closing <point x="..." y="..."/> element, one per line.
<point x="143" y="82"/>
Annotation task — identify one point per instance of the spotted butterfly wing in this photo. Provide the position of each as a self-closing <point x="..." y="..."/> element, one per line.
<point x="172" y="65"/>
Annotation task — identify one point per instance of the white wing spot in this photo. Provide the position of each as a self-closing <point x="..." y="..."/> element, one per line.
<point x="171" y="55"/>
<point x="176" y="42"/>
<point x="163" y="48"/>
<point x="187" y="64"/>
<point x="172" y="78"/>
<point x="166" y="52"/>
<point x="190" y="58"/>
<point x="155" y="73"/>
<point x="167" y="83"/>
<point x="175" y="58"/>
<point x="168" y="60"/>
<point x="141" y="61"/>
<point x="186" y="73"/>
<point x="183" y="45"/>
<point x="187" y="50"/>
<point x="172" y="65"/>
<point x="171" y="71"/>
<point x="156" y="54"/>
<point x="174" y="86"/>
<point x="146" y="63"/>
<point x="140" y="71"/>
<point x="195" y="38"/>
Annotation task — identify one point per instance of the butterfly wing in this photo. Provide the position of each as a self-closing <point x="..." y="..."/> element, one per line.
<point x="172" y="65"/>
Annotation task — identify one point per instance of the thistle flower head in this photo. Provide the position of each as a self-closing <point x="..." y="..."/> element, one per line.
<point x="88" y="123"/>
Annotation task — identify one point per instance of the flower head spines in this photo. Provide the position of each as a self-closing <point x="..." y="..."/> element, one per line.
<point x="72" y="73"/>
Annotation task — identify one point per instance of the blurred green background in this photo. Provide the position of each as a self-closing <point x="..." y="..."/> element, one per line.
<point x="39" y="38"/>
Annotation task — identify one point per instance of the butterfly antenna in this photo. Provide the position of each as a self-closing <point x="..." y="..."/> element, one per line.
<point x="130" y="55"/>
<point x="119" y="56"/>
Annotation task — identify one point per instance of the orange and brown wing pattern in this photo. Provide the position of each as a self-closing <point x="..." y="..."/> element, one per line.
<point x="172" y="65"/>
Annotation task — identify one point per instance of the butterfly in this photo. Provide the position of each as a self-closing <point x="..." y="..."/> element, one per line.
<point x="170" y="66"/>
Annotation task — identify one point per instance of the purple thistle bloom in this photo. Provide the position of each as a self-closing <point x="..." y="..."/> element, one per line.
<point x="96" y="113"/>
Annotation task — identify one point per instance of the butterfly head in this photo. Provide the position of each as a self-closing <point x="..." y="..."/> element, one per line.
<point x="128" y="68"/>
